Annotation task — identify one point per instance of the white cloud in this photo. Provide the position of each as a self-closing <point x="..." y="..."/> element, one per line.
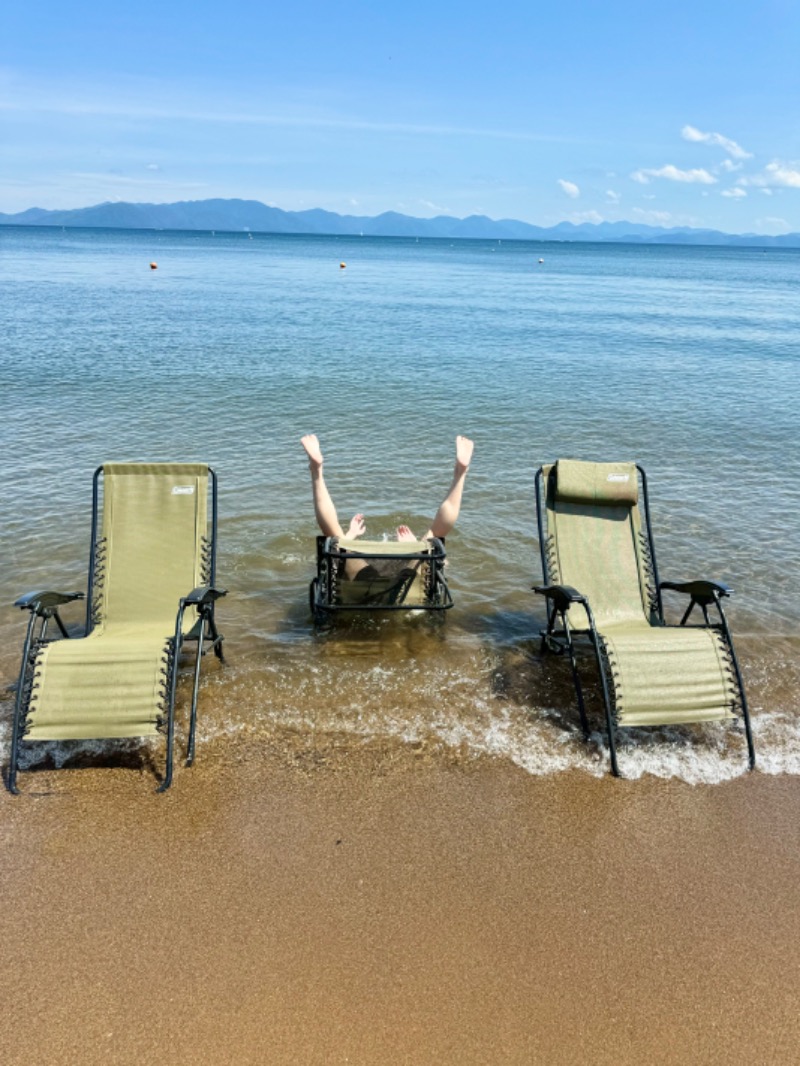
<point x="690" y="133"/>
<point x="613" y="197"/>
<point x="656" y="218"/>
<point x="766" y="192"/>
<point x="435" y="207"/>
<point x="586" y="216"/>
<point x="776" y="224"/>
<point x="775" y="175"/>
<point x="784" y="174"/>
<point x="735" y="194"/>
<point x="98" y="103"/>
<point x="697" y="176"/>
<point x="153" y="166"/>
<point x="570" y="188"/>
<point x="111" y="177"/>
<point x="729" y="166"/>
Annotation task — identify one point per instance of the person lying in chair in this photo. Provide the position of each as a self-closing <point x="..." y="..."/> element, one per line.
<point x="328" y="521"/>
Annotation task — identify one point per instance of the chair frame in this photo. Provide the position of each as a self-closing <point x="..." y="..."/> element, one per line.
<point x="322" y="590"/>
<point x="560" y="598"/>
<point x="44" y="608"/>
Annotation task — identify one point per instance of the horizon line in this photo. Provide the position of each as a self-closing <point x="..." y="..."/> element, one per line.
<point x="6" y="218"/>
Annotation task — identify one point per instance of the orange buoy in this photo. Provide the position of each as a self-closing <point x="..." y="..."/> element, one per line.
<point x="342" y="266"/>
<point x="154" y="266"/>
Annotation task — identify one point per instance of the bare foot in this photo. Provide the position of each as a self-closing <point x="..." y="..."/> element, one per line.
<point x="313" y="450"/>
<point x="357" y="527"/>
<point x="404" y="533"/>
<point x="464" y="448"/>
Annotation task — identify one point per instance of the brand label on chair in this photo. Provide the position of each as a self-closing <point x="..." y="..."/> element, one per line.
<point x="186" y="490"/>
<point x="611" y="477"/>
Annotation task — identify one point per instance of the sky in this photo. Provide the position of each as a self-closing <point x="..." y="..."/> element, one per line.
<point x="673" y="114"/>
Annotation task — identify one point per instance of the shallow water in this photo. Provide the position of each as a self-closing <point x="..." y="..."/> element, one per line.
<point x="684" y="359"/>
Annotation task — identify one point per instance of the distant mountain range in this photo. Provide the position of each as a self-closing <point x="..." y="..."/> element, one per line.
<point x="239" y="215"/>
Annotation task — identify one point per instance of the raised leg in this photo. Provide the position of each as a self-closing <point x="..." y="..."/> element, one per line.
<point x="327" y="519"/>
<point x="448" y="512"/>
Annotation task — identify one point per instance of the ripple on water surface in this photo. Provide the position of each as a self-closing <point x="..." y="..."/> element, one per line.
<point x="684" y="359"/>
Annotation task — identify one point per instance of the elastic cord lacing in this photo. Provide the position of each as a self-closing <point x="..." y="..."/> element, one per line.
<point x="29" y="681"/>
<point x="613" y="677"/>
<point x="168" y="664"/>
<point x="99" y="579"/>
<point x="646" y="557"/>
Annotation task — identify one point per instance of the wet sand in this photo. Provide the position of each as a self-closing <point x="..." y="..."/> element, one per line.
<point x="361" y="908"/>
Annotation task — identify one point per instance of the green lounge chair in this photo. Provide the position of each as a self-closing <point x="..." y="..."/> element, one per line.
<point x="598" y="557"/>
<point x="400" y="575"/>
<point x="151" y="587"/>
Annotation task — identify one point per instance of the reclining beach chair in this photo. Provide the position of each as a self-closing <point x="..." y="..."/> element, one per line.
<point x="151" y="587"/>
<point x="399" y="576"/>
<point x="602" y="584"/>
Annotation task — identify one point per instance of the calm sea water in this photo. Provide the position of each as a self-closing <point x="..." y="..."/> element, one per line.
<point x="684" y="359"/>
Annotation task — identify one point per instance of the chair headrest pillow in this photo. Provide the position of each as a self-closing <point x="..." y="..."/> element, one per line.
<point x="607" y="483"/>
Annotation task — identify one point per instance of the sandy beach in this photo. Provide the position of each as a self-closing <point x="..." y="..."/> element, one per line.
<point x="375" y="907"/>
<point x="395" y="845"/>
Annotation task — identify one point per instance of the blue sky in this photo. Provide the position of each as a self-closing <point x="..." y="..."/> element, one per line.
<point x="674" y="114"/>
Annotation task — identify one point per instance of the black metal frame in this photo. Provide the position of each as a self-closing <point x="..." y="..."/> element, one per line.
<point x="560" y="599"/>
<point x="43" y="606"/>
<point x="330" y="559"/>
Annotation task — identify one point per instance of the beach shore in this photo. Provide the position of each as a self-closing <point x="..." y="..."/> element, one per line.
<point x="360" y="908"/>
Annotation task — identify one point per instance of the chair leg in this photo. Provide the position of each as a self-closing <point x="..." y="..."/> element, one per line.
<point x="576" y="678"/>
<point x="11" y="780"/>
<point x="16" y="724"/>
<point x="612" y="740"/>
<point x="165" y="784"/>
<point x="751" y="751"/>
<point x="193" y="716"/>
<point x="544" y="644"/>
<point x="686" y="613"/>
<point x="217" y="639"/>
<point x="173" y="682"/>
<point x="748" y="730"/>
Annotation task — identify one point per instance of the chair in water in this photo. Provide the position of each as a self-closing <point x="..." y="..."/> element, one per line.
<point x="598" y="559"/>
<point x="151" y="588"/>
<point x="378" y="575"/>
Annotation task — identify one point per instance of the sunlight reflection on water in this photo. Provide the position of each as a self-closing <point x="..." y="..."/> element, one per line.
<point x="684" y="359"/>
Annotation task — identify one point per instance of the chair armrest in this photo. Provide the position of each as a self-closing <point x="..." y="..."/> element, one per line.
<point x="203" y="595"/>
<point x="563" y="596"/>
<point x="701" y="591"/>
<point x="42" y="603"/>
